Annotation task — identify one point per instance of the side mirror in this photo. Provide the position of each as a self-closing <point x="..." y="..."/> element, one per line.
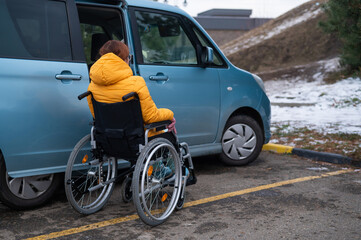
<point x="207" y="56"/>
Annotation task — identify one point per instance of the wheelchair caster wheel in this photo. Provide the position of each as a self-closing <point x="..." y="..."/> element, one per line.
<point x="180" y="202"/>
<point x="126" y="190"/>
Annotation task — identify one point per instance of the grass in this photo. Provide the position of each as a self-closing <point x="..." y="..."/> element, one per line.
<point x="334" y="77"/>
<point x="354" y="101"/>
<point x="341" y="143"/>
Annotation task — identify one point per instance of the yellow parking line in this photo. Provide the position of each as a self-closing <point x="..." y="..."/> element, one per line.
<point x="263" y="187"/>
<point x="189" y="204"/>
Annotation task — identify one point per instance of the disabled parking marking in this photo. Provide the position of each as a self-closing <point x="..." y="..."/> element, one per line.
<point x="189" y="204"/>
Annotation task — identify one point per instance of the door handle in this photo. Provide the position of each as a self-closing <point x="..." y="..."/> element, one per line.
<point x="75" y="77"/>
<point x="67" y="75"/>
<point x="158" y="77"/>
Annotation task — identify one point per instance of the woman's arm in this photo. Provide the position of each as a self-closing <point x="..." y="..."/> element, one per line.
<point x="150" y="111"/>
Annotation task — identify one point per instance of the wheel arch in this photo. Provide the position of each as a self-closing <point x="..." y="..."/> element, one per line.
<point x="248" y="111"/>
<point x="2" y="156"/>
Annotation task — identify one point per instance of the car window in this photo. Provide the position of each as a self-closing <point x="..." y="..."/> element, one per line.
<point x="97" y="27"/>
<point x="88" y="31"/>
<point x="163" y="40"/>
<point x="34" y="29"/>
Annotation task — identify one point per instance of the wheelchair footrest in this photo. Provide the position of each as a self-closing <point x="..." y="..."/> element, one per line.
<point x="187" y="155"/>
<point x="192" y="179"/>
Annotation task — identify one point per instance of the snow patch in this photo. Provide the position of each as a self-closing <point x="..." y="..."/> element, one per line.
<point x="318" y="142"/>
<point x="274" y="141"/>
<point x="292" y="22"/>
<point x="298" y="139"/>
<point x="318" y="169"/>
<point x="327" y="108"/>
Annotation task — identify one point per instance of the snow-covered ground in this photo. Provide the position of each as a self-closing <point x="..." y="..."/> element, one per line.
<point x="327" y="108"/>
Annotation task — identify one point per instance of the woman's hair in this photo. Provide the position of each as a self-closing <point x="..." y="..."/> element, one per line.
<point x="116" y="47"/>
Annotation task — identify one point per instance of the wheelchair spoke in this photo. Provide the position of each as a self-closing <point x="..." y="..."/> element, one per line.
<point x="80" y="202"/>
<point x="90" y="193"/>
<point x="152" y="202"/>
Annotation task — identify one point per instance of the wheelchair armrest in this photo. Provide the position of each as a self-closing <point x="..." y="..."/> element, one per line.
<point x="129" y="95"/>
<point x="158" y="125"/>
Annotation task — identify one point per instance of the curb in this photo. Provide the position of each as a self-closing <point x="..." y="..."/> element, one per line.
<point x="317" y="156"/>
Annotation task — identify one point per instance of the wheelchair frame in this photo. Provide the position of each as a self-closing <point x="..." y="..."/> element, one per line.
<point x="157" y="186"/>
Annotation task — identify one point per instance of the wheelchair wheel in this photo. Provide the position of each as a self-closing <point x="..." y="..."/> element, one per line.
<point x="156" y="181"/>
<point x="83" y="175"/>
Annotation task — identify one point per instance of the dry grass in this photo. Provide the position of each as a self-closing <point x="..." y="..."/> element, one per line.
<point x="300" y="44"/>
<point x="336" y="76"/>
<point x="345" y="144"/>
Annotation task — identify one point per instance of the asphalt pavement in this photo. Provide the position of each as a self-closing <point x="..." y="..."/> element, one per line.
<point x="276" y="197"/>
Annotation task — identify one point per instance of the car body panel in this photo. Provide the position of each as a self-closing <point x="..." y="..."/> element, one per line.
<point x="37" y="111"/>
<point x="240" y="90"/>
<point x="41" y="119"/>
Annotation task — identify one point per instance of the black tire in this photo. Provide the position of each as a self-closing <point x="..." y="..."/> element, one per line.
<point x="242" y="141"/>
<point x="36" y="195"/>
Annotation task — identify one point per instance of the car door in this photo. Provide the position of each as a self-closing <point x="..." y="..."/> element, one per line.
<point x="43" y="70"/>
<point x="168" y="58"/>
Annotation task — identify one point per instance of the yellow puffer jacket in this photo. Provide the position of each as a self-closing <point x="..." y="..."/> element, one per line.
<point x="112" y="78"/>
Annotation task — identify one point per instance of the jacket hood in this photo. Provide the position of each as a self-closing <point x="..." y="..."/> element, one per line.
<point x="109" y="69"/>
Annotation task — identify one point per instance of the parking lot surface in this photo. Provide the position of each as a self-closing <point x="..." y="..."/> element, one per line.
<point x="276" y="197"/>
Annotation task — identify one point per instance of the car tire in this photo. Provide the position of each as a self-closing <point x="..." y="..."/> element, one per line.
<point x="242" y="141"/>
<point x="27" y="192"/>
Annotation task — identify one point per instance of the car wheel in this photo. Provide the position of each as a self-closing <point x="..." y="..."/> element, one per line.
<point x="242" y="141"/>
<point x="26" y="192"/>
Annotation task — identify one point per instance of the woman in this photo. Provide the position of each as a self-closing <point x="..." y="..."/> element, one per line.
<point x="112" y="78"/>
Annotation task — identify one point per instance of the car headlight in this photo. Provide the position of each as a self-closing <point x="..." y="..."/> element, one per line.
<point x="259" y="81"/>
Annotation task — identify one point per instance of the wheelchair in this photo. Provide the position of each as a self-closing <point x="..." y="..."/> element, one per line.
<point x="155" y="171"/>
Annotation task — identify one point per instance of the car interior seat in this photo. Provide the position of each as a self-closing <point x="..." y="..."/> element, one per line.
<point x="98" y="40"/>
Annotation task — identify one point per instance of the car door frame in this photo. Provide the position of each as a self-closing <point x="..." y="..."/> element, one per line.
<point x="193" y="38"/>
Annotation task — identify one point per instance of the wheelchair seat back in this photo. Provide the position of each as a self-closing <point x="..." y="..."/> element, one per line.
<point x="119" y="127"/>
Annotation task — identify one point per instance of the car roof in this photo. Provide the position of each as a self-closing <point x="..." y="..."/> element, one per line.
<point x="139" y="3"/>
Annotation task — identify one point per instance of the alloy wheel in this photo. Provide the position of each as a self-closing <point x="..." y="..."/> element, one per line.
<point x="29" y="187"/>
<point x="239" y="141"/>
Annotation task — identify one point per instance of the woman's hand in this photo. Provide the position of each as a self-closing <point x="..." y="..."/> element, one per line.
<point x="171" y="127"/>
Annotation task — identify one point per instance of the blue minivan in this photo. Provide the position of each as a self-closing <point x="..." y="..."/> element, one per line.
<point x="46" y="50"/>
